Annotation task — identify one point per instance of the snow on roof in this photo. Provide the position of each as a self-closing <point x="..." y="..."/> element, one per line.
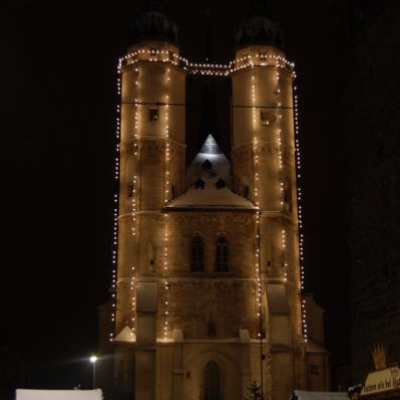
<point x="209" y="196"/>
<point x="209" y="180"/>
<point x="126" y="335"/>
<point x="36" y="394"/>
<point x="310" y="395"/>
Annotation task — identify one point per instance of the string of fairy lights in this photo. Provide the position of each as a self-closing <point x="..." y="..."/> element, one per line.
<point x="258" y="221"/>
<point x="165" y="56"/>
<point x="166" y="198"/>
<point x="134" y="181"/>
<point x="133" y="60"/>
<point x="280" y="159"/>
<point x="114" y="259"/>
<point x="256" y="202"/>
<point x="299" y="211"/>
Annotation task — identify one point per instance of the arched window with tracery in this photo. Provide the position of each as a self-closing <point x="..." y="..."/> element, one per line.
<point x="222" y="255"/>
<point x="197" y="254"/>
<point x="212" y="381"/>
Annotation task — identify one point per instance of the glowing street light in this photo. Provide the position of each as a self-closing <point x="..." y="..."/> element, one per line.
<point x="93" y="360"/>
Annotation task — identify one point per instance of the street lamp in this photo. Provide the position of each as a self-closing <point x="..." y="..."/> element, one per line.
<point x="93" y="360"/>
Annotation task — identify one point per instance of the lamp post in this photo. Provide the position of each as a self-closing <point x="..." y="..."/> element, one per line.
<point x="93" y="360"/>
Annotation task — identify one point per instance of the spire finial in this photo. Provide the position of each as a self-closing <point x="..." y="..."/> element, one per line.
<point x="258" y="8"/>
<point x="208" y="48"/>
<point x="153" y="5"/>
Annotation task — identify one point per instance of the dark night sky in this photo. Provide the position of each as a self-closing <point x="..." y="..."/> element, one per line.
<point x="59" y="103"/>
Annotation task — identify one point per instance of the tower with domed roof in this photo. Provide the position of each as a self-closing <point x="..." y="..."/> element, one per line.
<point x="208" y="279"/>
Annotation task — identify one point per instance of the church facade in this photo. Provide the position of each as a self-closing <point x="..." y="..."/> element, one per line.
<point x="208" y="282"/>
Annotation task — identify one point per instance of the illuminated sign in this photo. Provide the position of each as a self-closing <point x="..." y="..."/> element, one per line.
<point x="381" y="381"/>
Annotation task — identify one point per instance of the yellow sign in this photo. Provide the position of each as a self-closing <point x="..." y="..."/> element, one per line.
<point x="381" y="381"/>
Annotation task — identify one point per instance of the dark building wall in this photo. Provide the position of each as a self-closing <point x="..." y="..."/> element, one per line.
<point x="370" y="117"/>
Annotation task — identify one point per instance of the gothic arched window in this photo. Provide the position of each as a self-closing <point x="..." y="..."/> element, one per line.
<point x="197" y="254"/>
<point x="222" y="256"/>
<point x="211" y="382"/>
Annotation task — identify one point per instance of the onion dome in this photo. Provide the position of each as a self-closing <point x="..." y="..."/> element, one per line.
<point x="153" y="24"/>
<point x="258" y="29"/>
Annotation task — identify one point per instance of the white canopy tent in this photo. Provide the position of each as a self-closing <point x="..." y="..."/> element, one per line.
<point x="35" y="394"/>
<point x="309" y="395"/>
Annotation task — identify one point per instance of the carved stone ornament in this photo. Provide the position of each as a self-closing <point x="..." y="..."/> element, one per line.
<point x="379" y="357"/>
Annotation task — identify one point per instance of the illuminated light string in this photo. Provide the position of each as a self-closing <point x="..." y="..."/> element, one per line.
<point x="135" y="153"/>
<point x="255" y="139"/>
<point x="256" y="202"/>
<point x="279" y="133"/>
<point x="285" y="271"/>
<point x="166" y="56"/>
<point x="283" y="238"/>
<point x="166" y="284"/>
<point x="304" y="320"/>
<point x="258" y="271"/>
<point x="165" y="330"/>
<point x="136" y="132"/>
<point x="167" y="149"/>
<point x="281" y="183"/>
<point x="283" y="234"/>
<point x="300" y="216"/>
<point x="114" y="254"/>
<point x="133" y="302"/>
<point x="279" y="104"/>
<point x="285" y="264"/>
<point x="299" y="191"/>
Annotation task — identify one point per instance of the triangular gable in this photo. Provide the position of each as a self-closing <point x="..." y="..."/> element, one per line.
<point x="126" y="335"/>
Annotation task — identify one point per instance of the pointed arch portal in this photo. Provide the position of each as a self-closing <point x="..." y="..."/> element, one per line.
<point x="212" y="390"/>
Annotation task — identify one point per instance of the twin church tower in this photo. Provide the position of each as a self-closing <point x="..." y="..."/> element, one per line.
<point x="208" y="281"/>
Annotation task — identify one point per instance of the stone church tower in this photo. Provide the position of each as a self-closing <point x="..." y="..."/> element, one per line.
<point x="208" y="278"/>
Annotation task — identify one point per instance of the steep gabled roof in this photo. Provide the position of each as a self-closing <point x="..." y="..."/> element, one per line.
<point x="209" y="183"/>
